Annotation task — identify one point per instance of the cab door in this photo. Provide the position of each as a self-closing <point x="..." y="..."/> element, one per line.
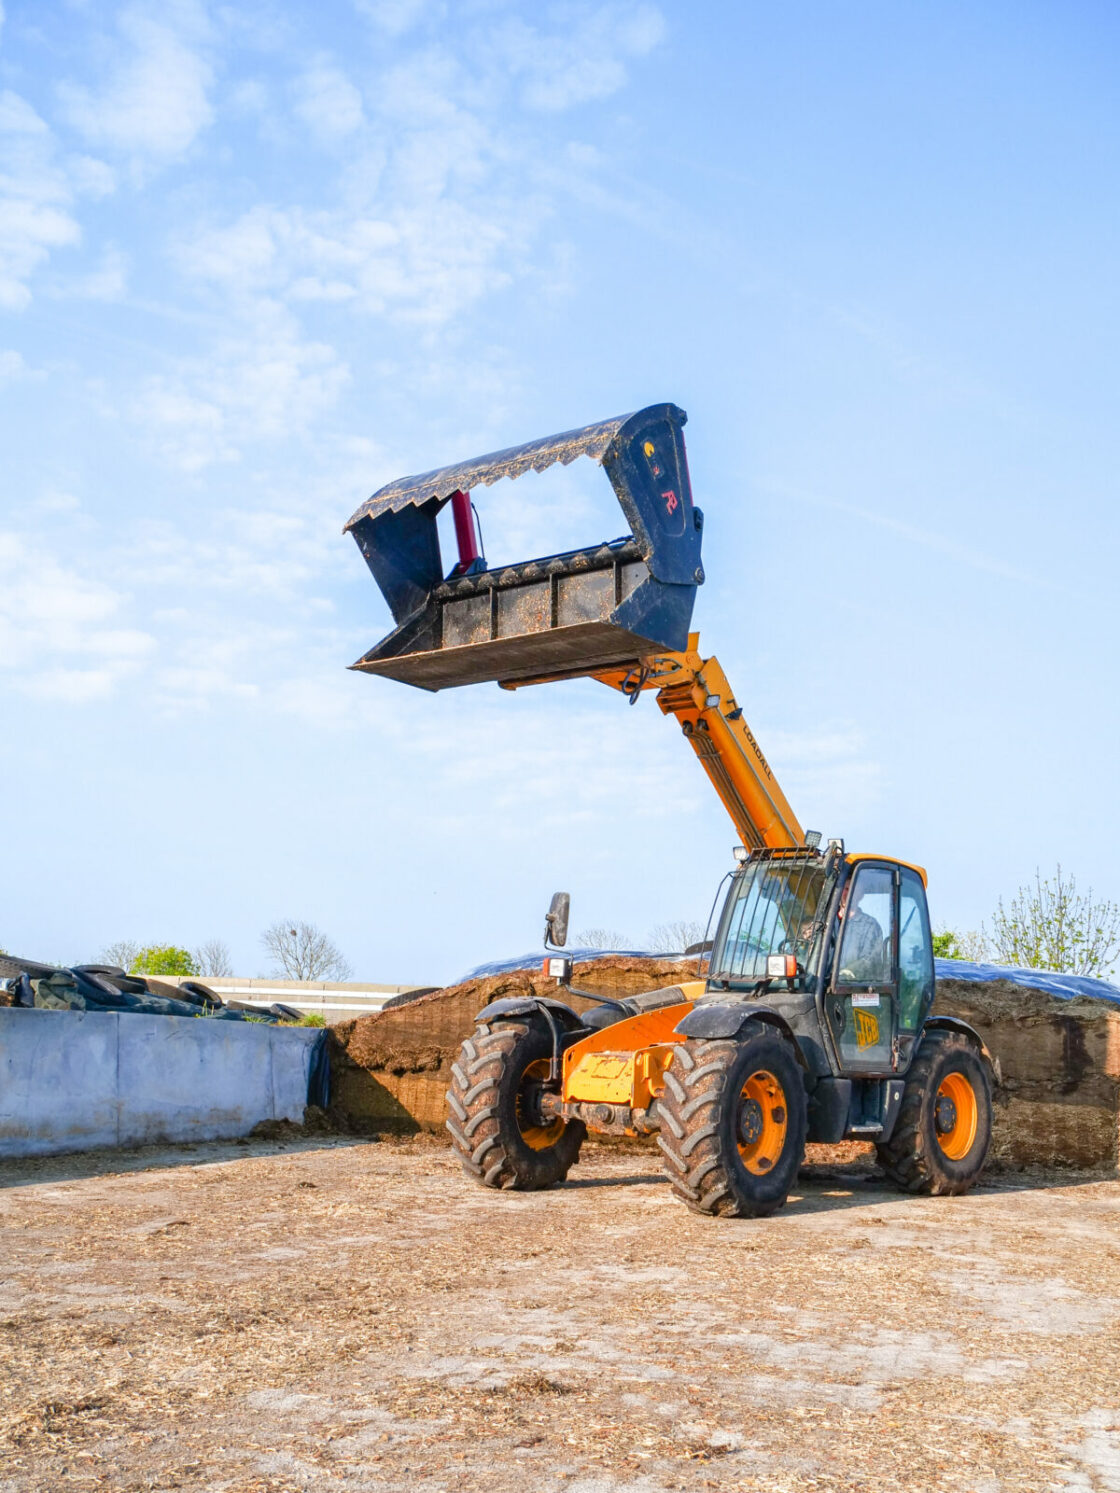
<point x="862" y="1002"/>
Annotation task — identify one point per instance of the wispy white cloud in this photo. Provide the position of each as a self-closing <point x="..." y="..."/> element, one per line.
<point x="188" y="431"/>
<point x="12" y="365"/>
<point x="825" y="770"/>
<point x="394" y="16"/>
<point x="583" y="57"/>
<point x="59" y="637"/>
<point x="36" y="197"/>
<point x="14" y="368"/>
<point x="264" y="381"/>
<point x="427" y="262"/>
<point x="106" y="281"/>
<point x="328" y="102"/>
<point x="894" y="345"/>
<point x="928" y="539"/>
<point x="440" y="200"/>
<point x="155" y="100"/>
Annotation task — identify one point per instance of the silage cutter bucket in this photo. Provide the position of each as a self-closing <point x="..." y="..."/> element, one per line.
<point x="562" y="615"/>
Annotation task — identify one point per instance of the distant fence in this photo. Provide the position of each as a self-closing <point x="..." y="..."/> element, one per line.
<point x="333" y="1000"/>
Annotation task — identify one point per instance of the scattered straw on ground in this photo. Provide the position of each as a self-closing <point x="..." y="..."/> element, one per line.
<point x="340" y="1316"/>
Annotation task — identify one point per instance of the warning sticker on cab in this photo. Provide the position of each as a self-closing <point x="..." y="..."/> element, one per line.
<point x="871" y="1000"/>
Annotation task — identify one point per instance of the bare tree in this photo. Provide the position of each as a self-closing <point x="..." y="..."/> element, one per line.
<point x="974" y="945"/>
<point x="300" y="951"/>
<point x="124" y="954"/>
<point x="674" y="938"/>
<point x="599" y="938"/>
<point x="1051" y="925"/>
<point x="213" y="958"/>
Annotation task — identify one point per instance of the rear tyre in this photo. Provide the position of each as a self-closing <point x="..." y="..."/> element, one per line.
<point x="733" y="1121"/>
<point x="494" y="1117"/>
<point x="941" y="1138"/>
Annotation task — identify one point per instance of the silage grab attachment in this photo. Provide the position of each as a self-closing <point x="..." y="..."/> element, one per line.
<point x="565" y="614"/>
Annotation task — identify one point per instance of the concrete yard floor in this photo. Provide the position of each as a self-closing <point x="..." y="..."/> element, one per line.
<point x="339" y="1316"/>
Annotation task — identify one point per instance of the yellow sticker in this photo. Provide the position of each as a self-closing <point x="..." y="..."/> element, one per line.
<point x="867" y="1029"/>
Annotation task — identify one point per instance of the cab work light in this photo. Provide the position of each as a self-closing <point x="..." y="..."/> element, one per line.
<point x="781" y="966"/>
<point x="558" y="969"/>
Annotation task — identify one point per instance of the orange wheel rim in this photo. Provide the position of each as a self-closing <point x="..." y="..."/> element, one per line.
<point x="537" y="1137"/>
<point x="761" y="1122"/>
<point x="956" y="1116"/>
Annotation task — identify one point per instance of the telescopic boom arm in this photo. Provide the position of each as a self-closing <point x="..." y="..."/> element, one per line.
<point x="695" y="690"/>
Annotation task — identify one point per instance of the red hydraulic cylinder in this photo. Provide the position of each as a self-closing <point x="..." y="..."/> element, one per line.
<point x="465" y="536"/>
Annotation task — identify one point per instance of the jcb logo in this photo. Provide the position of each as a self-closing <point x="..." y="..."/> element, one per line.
<point x="867" y="1029"/>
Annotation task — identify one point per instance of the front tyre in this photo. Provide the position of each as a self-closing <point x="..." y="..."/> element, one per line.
<point x="733" y="1121"/>
<point x="494" y="1117"/>
<point x="941" y="1138"/>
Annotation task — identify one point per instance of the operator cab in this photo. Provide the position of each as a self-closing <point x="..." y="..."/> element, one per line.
<point x="851" y="930"/>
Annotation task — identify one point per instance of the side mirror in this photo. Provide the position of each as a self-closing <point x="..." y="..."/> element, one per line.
<point x="556" y="921"/>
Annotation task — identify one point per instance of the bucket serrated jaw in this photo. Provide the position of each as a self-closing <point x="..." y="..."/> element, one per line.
<point x="571" y="613"/>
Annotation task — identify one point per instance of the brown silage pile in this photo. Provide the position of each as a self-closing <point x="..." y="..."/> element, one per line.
<point x="390" y="1070"/>
<point x="1057" y="1100"/>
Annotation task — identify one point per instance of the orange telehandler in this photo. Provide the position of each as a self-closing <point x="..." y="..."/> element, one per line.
<point x="813" y="1020"/>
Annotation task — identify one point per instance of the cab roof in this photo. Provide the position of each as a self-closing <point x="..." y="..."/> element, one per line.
<point x="891" y="860"/>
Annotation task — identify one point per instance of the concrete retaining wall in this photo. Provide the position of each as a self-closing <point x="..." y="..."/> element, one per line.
<point x="73" y="1080"/>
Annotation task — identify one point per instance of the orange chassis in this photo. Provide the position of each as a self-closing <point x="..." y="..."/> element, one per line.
<point x="611" y="1080"/>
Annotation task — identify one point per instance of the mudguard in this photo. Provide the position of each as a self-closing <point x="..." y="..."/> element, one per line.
<point x="529" y="1005"/>
<point x="720" y="1019"/>
<point x="955" y="1024"/>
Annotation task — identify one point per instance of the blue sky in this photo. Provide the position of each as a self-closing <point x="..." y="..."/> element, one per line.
<point x="256" y="260"/>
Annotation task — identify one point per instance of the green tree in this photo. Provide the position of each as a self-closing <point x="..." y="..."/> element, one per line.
<point x="1051" y="925"/>
<point x="949" y="944"/>
<point x="945" y="945"/>
<point x="163" y="959"/>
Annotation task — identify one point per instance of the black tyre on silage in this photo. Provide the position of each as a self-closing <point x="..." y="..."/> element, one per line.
<point x="944" y="1129"/>
<point x="493" y="1115"/>
<point x="733" y="1122"/>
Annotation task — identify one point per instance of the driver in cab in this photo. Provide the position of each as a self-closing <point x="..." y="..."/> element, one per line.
<point x="863" y="953"/>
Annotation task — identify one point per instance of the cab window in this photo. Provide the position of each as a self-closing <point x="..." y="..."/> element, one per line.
<point x="868" y="928"/>
<point x="915" y="953"/>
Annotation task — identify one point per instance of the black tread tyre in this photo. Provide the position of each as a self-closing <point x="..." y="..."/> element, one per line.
<point x="733" y="1120"/>
<point x="488" y="1103"/>
<point x="936" y="1148"/>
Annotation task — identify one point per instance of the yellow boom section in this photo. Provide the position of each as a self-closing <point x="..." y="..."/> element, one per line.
<point x="696" y="691"/>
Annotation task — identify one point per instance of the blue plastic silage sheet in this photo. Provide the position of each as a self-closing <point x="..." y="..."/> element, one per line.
<point x="1065" y="987"/>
